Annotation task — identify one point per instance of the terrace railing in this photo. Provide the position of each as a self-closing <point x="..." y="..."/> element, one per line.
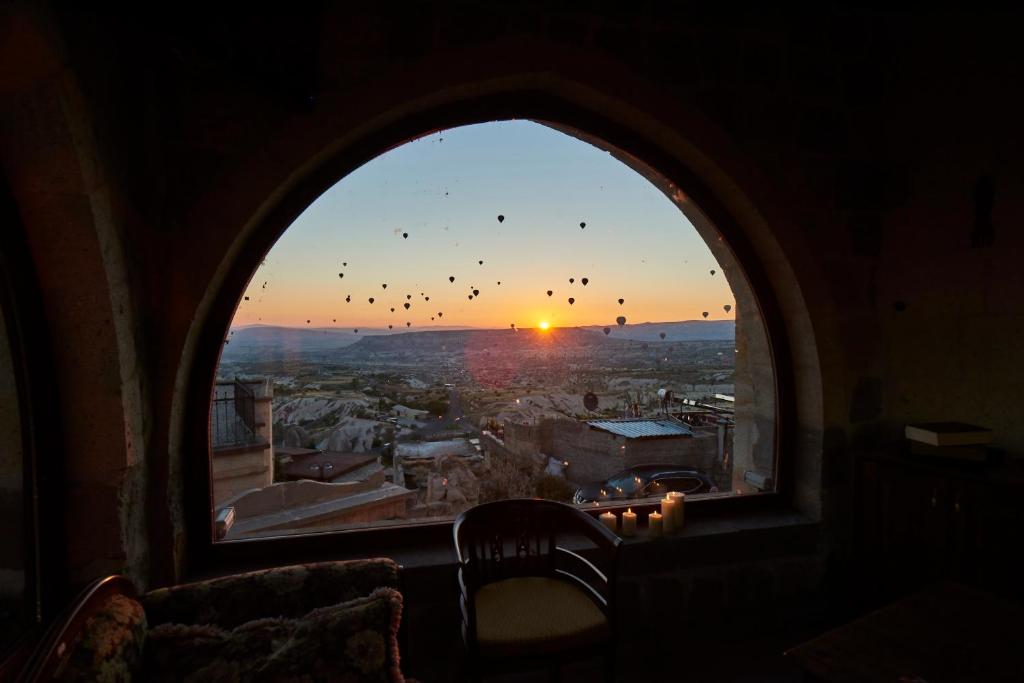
<point x="233" y="416"/>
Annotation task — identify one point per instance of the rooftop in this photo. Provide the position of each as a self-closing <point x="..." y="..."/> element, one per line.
<point x="305" y="463"/>
<point x="642" y="428"/>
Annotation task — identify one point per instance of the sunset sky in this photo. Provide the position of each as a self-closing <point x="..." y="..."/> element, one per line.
<point x="446" y="191"/>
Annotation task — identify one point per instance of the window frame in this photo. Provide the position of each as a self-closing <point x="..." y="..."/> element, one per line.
<point x="537" y="105"/>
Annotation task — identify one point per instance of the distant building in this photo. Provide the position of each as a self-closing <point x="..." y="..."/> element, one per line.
<point x="597" y="449"/>
<point x="318" y="490"/>
<point x="241" y="438"/>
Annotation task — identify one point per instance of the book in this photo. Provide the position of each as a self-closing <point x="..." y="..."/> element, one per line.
<point x="949" y="434"/>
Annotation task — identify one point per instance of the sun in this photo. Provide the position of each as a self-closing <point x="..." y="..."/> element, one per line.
<point x="544" y="324"/>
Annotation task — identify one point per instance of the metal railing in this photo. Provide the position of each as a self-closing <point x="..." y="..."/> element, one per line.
<point x="233" y="416"/>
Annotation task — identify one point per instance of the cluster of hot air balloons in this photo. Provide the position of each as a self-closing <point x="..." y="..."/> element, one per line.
<point x="475" y="292"/>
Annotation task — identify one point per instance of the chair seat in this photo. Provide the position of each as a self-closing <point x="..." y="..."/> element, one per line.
<point x="536" y="615"/>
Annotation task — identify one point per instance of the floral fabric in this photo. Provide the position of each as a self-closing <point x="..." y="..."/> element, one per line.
<point x="109" y="648"/>
<point x="329" y="621"/>
<point x="354" y="642"/>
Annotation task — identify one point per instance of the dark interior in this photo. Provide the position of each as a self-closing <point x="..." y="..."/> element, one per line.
<point x="863" y="164"/>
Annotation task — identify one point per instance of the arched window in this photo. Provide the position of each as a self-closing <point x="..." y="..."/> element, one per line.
<point x="491" y="311"/>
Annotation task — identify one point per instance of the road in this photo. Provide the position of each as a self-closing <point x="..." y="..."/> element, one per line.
<point x="453" y="420"/>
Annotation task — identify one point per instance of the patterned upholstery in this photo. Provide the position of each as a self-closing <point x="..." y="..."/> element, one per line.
<point x="351" y="641"/>
<point x="536" y="615"/>
<point x="280" y="592"/>
<point x="330" y="621"/>
<point x="110" y="647"/>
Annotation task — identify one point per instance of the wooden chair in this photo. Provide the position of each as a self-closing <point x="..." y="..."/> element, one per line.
<point x="527" y="601"/>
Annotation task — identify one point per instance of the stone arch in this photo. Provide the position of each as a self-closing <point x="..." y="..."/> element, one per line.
<point x="280" y="181"/>
<point x="56" y="173"/>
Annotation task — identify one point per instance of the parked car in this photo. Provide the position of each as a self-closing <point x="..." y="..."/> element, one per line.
<point x="645" y="481"/>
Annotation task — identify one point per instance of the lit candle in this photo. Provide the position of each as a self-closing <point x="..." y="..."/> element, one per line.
<point x="608" y="519"/>
<point x="680" y="509"/>
<point x="654" y="524"/>
<point x="629" y="522"/>
<point x="668" y="513"/>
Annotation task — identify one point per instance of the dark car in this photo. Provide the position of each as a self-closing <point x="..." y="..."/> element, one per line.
<point x="645" y="481"/>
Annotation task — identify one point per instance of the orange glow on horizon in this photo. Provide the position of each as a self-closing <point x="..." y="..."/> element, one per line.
<point x="544" y="325"/>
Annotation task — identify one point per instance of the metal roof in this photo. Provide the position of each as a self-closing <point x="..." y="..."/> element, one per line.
<point x="641" y="428"/>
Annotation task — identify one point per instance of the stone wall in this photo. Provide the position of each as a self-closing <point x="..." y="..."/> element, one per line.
<point x="237" y="470"/>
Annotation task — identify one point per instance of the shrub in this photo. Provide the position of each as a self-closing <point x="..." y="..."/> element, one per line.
<point x="551" y="487"/>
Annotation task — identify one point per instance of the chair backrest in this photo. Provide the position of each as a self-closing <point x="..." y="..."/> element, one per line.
<point x="517" y="537"/>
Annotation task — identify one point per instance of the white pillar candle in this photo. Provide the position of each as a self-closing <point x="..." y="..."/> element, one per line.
<point x="629" y="522"/>
<point x="654" y="527"/>
<point x="680" y="509"/>
<point x="668" y="513"/>
<point x="608" y="519"/>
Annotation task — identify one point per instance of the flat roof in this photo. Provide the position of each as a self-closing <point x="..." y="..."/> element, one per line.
<point x="642" y="428"/>
<point x="305" y="462"/>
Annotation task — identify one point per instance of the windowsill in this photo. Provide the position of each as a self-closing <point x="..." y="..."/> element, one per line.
<point x="734" y="536"/>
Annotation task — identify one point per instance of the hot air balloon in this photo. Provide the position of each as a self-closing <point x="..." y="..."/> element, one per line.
<point x="341" y="275"/>
<point x="392" y="309"/>
<point x="470" y="297"/>
<point x="480" y="262"/>
<point x="727" y="307"/>
<point x="550" y="292"/>
<point x="440" y="314"/>
<point x="344" y="263"/>
<point x="572" y="280"/>
<point x="621" y="320"/>
<point x="451" y="278"/>
<point x="408" y="324"/>
<point x="705" y="314"/>
<point x="584" y="281"/>
<point x="499" y="283"/>
<point x="607" y="330"/>
<point x="408" y="297"/>
<point x="513" y="326"/>
<point x="661" y="334"/>
<point x="622" y="301"/>
<point x="348" y="298"/>
<point x="476" y="292"/>
<point x="571" y="301"/>
<point x="500" y="218"/>
<point x="405" y="235"/>
<point x="582" y="225"/>
<point x="712" y="271"/>
<point x="390" y="326"/>
<point x="407" y="305"/>
<point x="371" y="299"/>
<point x="384" y="286"/>
<point x="426" y="298"/>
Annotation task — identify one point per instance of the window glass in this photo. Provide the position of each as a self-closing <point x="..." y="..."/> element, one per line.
<point x="498" y="310"/>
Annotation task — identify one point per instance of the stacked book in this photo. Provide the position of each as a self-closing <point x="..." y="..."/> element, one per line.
<point x="949" y="440"/>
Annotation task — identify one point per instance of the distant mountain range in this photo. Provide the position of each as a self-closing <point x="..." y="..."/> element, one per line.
<point x="274" y="340"/>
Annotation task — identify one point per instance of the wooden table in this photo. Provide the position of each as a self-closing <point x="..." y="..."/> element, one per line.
<point x="946" y="633"/>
